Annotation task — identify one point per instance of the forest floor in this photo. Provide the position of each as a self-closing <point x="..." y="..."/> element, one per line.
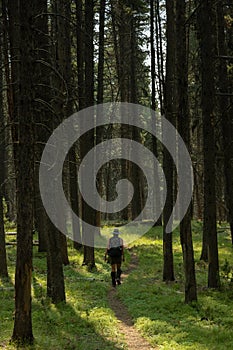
<point x="132" y="338"/>
<point x="143" y="312"/>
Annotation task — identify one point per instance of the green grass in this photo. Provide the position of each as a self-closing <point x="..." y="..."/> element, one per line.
<point x="86" y="322"/>
<point x="158" y="308"/>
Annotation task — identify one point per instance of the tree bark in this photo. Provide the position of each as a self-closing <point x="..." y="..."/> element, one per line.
<point x="159" y="51"/>
<point x="168" y="268"/>
<point x="80" y="52"/>
<point x="46" y="121"/>
<point x="55" y="276"/>
<point x="226" y="116"/>
<point x="74" y="195"/>
<point x="157" y="206"/>
<point x="100" y="94"/>
<point x="137" y="204"/>
<point x="3" y="256"/>
<point x="10" y="20"/>
<point x="22" y="332"/>
<point x="42" y="75"/>
<point x="88" y="213"/>
<point x="184" y="130"/>
<point x="206" y="21"/>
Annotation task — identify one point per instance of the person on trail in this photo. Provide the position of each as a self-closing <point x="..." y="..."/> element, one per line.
<point x="115" y="252"/>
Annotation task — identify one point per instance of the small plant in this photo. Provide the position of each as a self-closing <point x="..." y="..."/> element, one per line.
<point x="226" y="271"/>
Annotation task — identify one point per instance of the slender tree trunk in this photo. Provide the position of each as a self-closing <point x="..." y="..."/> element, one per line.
<point x="159" y="51"/>
<point x="226" y="117"/>
<point x="123" y="19"/>
<point x="152" y="50"/>
<point x="100" y="94"/>
<point x="55" y="276"/>
<point x="230" y="52"/>
<point x="204" y="250"/>
<point x="100" y="79"/>
<point x="42" y="113"/>
<point x="124" y="50"/>
<point x="3" y="257"/>
<point x="206" y="21"/>
<point x="113" y="4"/>
<point x="13" y="32"/>
<point x="137" y="204"/>
<point x="10" y="20"/>
<point x="184" y="130"/>
<point x="22" y="332"/>
<point x="125" y="130"/>
<point x="74" y="195"/>
<point x="63" y="103"/>
<point x="157" y="207"/>
<point x="75" y="198"/>
<point x="80" y="52"/>
<point x="88" y="214"/>
<point x="46" y="121"/>
<point x="168" y="268"/>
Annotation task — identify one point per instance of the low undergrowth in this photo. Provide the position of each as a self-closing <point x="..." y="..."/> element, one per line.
<point x="86" y="322"/>
<point x="158" y="308"/>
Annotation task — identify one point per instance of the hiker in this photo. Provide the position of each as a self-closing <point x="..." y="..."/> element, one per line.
<point x="115" y="252"/>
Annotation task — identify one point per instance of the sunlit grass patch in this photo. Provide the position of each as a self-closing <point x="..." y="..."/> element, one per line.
<point x="86" y="322"/>
<point x="158" y="308"/>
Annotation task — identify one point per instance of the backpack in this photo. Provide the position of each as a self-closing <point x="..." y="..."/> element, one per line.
<point x="115" y="249"/>
<point x="115" y="252"/>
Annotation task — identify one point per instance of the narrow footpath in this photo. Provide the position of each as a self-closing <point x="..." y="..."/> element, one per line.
<point x="133" y="339"/>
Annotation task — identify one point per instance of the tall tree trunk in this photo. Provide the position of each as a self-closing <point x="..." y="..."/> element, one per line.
<point x="226" y="116"/>
<point x="152" y="50"/>
<point x="204" y="250"/>
<point x="100" y="94"/>
<point x="10" y="19"/>
<point x="74" y="196"/>
<point x="230" y="52"/>
<point x="124" y="94"/>
<point x="137" y="204"/>
<point x="88" y="214"/>
<point x="3" y="257"/>
<point x="55" y="276"/>
<point x="157" y="206"/>
<point x="42" y="112"/>
<point x="80" y="52"/>
<point x="159" y="51"/>
<point x="13" y="30"/>
<point x="114" y="6"/>
<point x="206" y="21"/>
<point x="22" y="332"/>
<point x="184" y="130"/>
<point x="168" y="268"/>
<point x="100" y="79"/>
<point x="63" y="103"/>
<point x="45" y="124"/>
<point x="123" y="17"/>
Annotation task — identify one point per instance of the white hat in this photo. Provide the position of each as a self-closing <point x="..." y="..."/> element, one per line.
<point x="116" y="231"/>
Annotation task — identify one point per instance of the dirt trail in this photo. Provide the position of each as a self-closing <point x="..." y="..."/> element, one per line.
<point x="133" y="339"/>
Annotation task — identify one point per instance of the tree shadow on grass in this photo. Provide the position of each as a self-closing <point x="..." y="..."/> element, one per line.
<point x="61" y="327"/>
<point x="83" y="322"/>
<point x="159" y="311"/>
